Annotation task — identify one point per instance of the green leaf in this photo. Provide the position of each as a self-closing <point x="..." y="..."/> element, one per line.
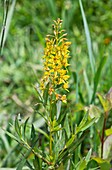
<point x="88" y="156"/>
<point x="99" y="124"/>
<point x="21" y="164"/>
<point x="109" y="96"/>
<point x="24" y="127"/>
<point x="17" y="127"/>
<point x="45" y="94"/>
<point x="67" y="126"/>
<point x="77" y="142"/>
<point x="61" y="117"/>
<point x="32" y="132"/>
<point x="85" y="124"/>
<point x="29" y="165"/>
<point x="12" y="136"/>
<point x="104" y="164"/>
<point x="92" y="165"/>
<point x="55" y="129"/>
<point x="94" y="112"/>
<point x="70" y="141"/>
<point x="88" y="124"/>
<point x="108" y="132"/>
<point x="81" y="165"/>
<point x="76" y="81"/>
<point x="99" y="160"/>
<point x="82" y="123"/>
<point x="33" y="137"/>
<point x="59" y="144"/>
<point x="52" y="7"/>
<point x="61" y="167"/>
<point x="24" y="160"/>
<point x="58" y="108"/>
<point x="5" y="141"/>
<point x="105" y="102"/>
<point x="70" y="147"/>
<point x="78" y="107"/>
<point x="53" y="110"/>
<point x="37" y="163"/>
<point x="42" y="132"/>
<point x="39" y="94"/>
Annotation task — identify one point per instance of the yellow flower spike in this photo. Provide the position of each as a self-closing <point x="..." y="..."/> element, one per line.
<point x="55" y="57"/>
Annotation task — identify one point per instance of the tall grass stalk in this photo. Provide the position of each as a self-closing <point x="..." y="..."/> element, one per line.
<point x="88" y="38"/>
<point x="7" y="17"/>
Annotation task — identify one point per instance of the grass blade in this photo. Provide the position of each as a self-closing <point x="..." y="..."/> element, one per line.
<point x="8" y="12"/>
<point x="52" y="7"/>
<point x="88" y="38"/>
<point x="97" y="76"/>
<point x="89" y="90"/>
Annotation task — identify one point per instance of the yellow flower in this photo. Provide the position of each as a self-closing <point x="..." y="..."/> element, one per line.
<point x="55" y="57"/>
<point x="42" y="86"/>
<point x="51" y="90"/>
<point x="63" y="98"/>
<point x="58" y="96"/>
<point x="65" y="86"/>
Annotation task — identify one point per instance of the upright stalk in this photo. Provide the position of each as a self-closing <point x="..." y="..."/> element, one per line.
<point x="50" y="142"/>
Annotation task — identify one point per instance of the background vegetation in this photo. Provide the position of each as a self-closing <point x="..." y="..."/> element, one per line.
<point x="21" y="65"/>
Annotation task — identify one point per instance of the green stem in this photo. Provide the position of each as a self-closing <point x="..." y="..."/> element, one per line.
<point x="50" y="129"/>
<point x="50" y="144"/>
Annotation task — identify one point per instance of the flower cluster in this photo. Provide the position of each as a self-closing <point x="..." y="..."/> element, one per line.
<point x="56" y="61"/>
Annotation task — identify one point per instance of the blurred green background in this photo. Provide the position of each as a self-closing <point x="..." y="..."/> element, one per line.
<point x="21" y="65"/>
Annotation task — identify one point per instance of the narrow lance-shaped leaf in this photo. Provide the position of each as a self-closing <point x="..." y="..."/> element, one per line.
<point x="37" y="163"/>
<point x="88" y="155"/>
<point x="67" y="126"/>
<point x="32" y="133"/>
<point x="88" y="124"/>
<point x="18" y="127"/>
<point x="45" y="95"/>
<point x="82" y="123"/>
<point x="81" y="165"/>
<point x="24" y="127"/>
<point x="74" y="143"/>
<point x="12" y="136"/>
<point x="76" y="81"/>
<point x="24" y="159"/>
<point x="21" y="164"/>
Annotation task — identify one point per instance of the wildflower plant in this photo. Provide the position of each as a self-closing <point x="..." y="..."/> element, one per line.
<point x="60" y="138"/>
